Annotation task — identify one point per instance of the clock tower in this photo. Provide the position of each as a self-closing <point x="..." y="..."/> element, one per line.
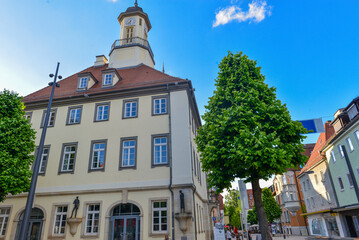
<point x="133" y="47"/>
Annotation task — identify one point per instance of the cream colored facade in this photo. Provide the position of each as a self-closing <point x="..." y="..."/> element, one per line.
<point x="111" y="186"/>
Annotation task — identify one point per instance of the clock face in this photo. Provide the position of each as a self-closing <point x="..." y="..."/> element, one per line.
<point x="130" y="21"/>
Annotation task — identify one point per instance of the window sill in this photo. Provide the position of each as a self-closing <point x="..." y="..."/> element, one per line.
<point x="90" y="236"/>
<point x="129" y="167"/>
<point x="101" y="120"/>
<point x="56" y="237"/>
<point x="159" y="114"/>
<point x="97" y="170"/>
<point x="65" y="172"/>
<point x="160" y="234"/>
<point x="130" y="117"/>
<point x="69" y="124"/>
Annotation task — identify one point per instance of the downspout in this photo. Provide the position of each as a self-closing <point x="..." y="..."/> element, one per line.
<point x="170" y="162"/>
<point x="300" y="202"/>
<point x="351" y="172"/>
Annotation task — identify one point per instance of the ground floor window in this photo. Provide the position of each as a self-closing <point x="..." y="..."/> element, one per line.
<point x="60" y="220"/>
<point x="159" y="217"/>
<point x="4" y="219"/>
<point x="92" y="219"/>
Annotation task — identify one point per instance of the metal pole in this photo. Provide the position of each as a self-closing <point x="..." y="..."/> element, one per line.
<point x="30" y="197"/>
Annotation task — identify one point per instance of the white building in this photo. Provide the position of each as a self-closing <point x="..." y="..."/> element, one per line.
<point x="120" y="137"/>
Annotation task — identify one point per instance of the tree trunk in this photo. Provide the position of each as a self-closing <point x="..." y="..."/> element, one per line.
<point x="261" y="214"/>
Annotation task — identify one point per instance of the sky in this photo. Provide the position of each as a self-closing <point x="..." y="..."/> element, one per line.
<point x="308" y="50"/>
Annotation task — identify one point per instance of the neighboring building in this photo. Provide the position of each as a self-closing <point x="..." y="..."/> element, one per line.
<point x="342" y="154"/>
<point x="250" y="198"/>
<point x="120" y="138"/>
<point x="288" y="194"/>
<point x="318" y="192"/>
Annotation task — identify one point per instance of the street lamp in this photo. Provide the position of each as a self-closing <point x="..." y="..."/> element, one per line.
<point x="30" y="197"/>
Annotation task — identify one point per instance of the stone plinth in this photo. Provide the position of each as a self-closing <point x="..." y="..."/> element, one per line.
<point x="73" y="222"/>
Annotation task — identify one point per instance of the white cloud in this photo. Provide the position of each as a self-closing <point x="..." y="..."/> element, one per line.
<point x="257" y="11"/>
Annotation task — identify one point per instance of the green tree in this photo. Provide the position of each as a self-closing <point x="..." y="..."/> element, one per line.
<point x="271" y="206"/>
<point x="248" y="133"/>
<point x="232" y="208"/>
<point x="16" y="145"/>
<point x="252" y="216"/>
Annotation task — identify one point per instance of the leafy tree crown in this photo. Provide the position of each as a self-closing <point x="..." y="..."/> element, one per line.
<point x="248" y="133"/>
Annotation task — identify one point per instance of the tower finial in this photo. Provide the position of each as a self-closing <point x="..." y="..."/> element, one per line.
<point x="163" y="67"/>
<point x="136" y="5"/>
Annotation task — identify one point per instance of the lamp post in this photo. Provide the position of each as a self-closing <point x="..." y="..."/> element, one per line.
<point x="30" y="197"/>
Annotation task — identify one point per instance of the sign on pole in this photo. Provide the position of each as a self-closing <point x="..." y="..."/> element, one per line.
<point x="218" y="231"/>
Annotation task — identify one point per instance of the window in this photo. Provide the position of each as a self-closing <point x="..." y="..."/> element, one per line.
<point x="350" y="180"/>
<point x="350" y="144"/>
<point x="128" y="152"/>
<point x="130" y="108"/>
<point x="352" y="111"/>
<point x="160" y="150"/>
<point x="92" y="219"/>
<point x="341" y="151"/>
<point x="159" y="217"/>
<point x="313" y="202"/>
<point x="341" y="185"/>
<point x="68" y="157"/>
<point x="328" y="197"/>
<point x="28" y="116"/>
<point x="82" y="83"/>
<point x="305" y="189"/>
<point x="308" y="203"/>
<point x="316" y="179"/>
<point x="356" y="135"/>
<point x="356" y="223"/>
<point x="107" y="80"/>
<point x="322" y="176"/>
<point x="322" y="198"/>
<point x="4" y="219"/>
<point x="60" y="220"/>
<point x="74" y="115"/>
<point x="194" y="163"/>
<point x="159" y="105"/>
<point x="140" y="21"/>
<point x="102" y="112"/>
<point x="333" y="156"/>
<point x="52" y="116"/>
<point x="98" y="155"/>
<point x="129" y="34"/>
<point x="308" y="185"/>
<point x="284" y="180"/>
<point x="43" y="161"/>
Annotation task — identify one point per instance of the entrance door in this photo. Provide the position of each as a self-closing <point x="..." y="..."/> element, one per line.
<point x="35" y="225"/>
<point x="125" y="228"/>
<point x="34" y="231"/>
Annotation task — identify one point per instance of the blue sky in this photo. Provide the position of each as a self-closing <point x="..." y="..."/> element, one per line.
<point x="308" y="50"/>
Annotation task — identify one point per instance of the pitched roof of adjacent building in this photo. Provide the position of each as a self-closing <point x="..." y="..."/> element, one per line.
<point x="315" y="157"/>
<point x="131" y="78"/>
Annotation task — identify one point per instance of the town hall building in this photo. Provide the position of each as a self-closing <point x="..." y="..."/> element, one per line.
<point x="120" y="138"/>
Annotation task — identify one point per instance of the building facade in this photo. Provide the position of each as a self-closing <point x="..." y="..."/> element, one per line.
<point x="288" y="194"/>
<point x="342" y="155"/>
<point x="318" y="193"/>
<point x="120" y="138"/>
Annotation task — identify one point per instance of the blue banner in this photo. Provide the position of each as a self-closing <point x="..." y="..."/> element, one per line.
<point x="313" y="125"/>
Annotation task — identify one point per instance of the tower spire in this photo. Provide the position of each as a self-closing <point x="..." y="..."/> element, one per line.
<point x="136" y="5"/>
<point x="163" y="67"/>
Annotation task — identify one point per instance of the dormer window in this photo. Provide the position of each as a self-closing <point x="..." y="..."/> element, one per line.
<point x="107" y="80"/>
<point x="352" y="111"/>
<point x="83" y="83"/>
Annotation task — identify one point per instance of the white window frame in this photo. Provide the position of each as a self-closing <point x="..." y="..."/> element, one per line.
<point x="43" y="162"/>
<point x="52" y="117"/>
<point x="66" y="168"/>
<point x="5" y="220"/>
<point x="353" y="113"/>
<point x="108" y="79"/>
<point x="322" y="176"/>
<point x="333" y="156"/>
<point x="63" y="218"/>
<point x="92" y="214"/>
<point x="304" y="187"/>
<point x="83" y="83"/>
<point x="356" y="136"/>
<point x="158" y="102"/>
<point x="350" y="179"/>
<point x="77" y="114"/>
<point x="159" y="209"/>
<point x="128" y="154"/>
<point x="341" y="151"/>
<point x="328" y="197"/>
<point x="100" y="114"/>
<point x="350" y="144"/>
<point x="98" y="151"/>
<point x="356" y="223"/>
<point x="131" y="105"/>
<point x="161" y="146"/>
<point x="341" y="184"/>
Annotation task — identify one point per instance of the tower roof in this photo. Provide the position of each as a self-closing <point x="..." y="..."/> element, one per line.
<point x="135" y="11"/>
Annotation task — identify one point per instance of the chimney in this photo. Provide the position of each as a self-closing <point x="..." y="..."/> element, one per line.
<point x="100" y="61"/>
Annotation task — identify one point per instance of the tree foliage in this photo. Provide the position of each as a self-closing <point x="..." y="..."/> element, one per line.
<point x="252" y="216"/>
<point x="232" y="208"/>
<point x="16" y="145"/>
<point x="271" y="206"/>
<point x="248" y="133"/>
